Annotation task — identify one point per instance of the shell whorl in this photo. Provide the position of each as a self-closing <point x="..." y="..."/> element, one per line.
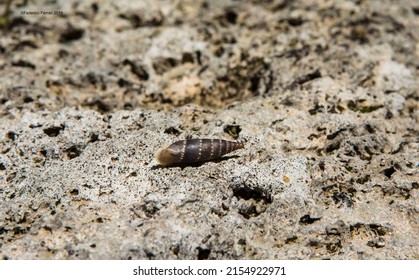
<point x="195" y="150"/>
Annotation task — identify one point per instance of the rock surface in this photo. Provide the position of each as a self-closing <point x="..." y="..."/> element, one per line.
<point x="324" y="95"/>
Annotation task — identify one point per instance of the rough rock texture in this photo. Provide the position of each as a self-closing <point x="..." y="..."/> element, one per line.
<point x="324" y="94"/>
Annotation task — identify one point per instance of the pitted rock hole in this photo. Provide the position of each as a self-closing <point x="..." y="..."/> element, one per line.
<point x="233" y="130"/>
<point x="340" y="194"/>
<point x="53" y="131"/>
<point x="73" y="152"/>
<point x="389" y="172"/>
<point x="307" y="219"/>
<point x="373" y="234"/>
<point x="252" y="201"/>
<point x="203" y="254"/>
<point x="172" y="130"/>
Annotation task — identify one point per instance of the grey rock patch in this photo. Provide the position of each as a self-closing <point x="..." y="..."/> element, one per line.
<point x="323" y="96"/>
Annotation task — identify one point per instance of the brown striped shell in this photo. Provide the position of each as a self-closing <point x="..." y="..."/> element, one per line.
<point x="195" y="150"/>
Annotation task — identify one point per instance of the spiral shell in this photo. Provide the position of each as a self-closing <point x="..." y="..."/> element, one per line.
<point x="195" y="150"/>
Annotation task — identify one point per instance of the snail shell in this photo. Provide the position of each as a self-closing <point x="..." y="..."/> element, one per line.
<point x="195" y="150"/>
